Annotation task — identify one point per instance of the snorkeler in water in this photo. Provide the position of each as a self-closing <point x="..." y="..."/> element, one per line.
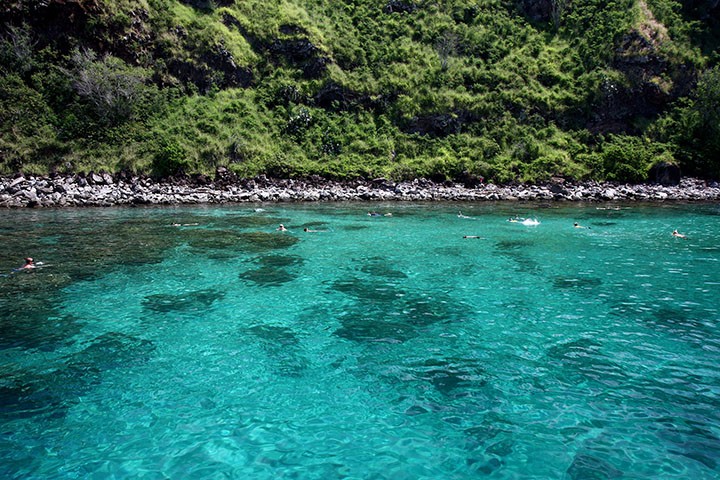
<point x="677" y="234"/>
<point x="29" y="264"/>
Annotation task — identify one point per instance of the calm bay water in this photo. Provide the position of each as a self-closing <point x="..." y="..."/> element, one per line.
<point x="375" y="347"/>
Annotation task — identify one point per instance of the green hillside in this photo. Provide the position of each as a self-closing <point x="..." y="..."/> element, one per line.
<point x="447" y="89"/>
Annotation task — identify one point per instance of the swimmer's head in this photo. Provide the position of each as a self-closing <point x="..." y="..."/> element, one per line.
<point x="28" y="260"/>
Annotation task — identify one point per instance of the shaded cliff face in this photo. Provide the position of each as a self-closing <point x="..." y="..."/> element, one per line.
<point x="650" y="82"/>
<point x="56" y="23"/>
<point x="641" y="79"/>
<point x="651" y="78"/>
<point x="133" y="36"/>
<point x="703" y="9"/>
<point x="536" y="10"/>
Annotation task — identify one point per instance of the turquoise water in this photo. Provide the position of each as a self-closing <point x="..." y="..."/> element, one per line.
<point x="375" y="347"/>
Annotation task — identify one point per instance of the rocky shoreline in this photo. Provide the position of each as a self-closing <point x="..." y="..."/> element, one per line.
<point x="103" y="189"/>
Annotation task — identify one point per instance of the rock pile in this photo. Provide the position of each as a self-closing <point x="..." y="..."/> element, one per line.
<point x="122" y="189"/>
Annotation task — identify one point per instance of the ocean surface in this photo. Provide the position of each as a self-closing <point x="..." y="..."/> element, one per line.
<point x="202" y="343"/>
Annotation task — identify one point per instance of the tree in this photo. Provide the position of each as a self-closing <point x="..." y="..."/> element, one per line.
<point x="111" y="88"/>
<point x="16" y="49"/>
<point x="707" y="95"/>
<point x="446" y="47"/>
<point x="707" y="131"/>
<point x="557" y="12"/>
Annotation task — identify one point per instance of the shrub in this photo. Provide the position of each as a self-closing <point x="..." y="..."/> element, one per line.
<point x="628" y="159"/>
<point x="694" y="128"/>
<point x="26" y="127"/>
<point x="298" y="123"/>
<point x="169" y="159"/>
<point x="16" y="50"/>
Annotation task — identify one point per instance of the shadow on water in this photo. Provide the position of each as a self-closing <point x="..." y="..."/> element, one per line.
<point x="368" y="290"/>
<point x="374" y="327"/>
<point x="210" y="239"/>
<point x="279" y="260"/>
<point x="30" y="313"/>
<point x="273" y="270"/>
<point x="215" y="244"/>
<point x="268" y="276"/>
<point x="83" y="250"/>
<point x="692" y="439"/>
<point x="513" y="245"/>
<point x="353" y="228"/>
<point x="195" y="301"/>
<point x="489" y="443"/>
<point x="24" y="394"/>
<point x="282" y="347"/>
<point x="590" y="467"/>
<point x="39" y="327"/>
<point x="229" y="241"/>
<point x="106" y="246"/>
<point x="584" y="284"/>
<point x="380" y="267"/>
<point x="112" y="350"/>
<point x="384" y="313"/>
<point x="261" y="242"/>
<point x="581" y="361"/>
<point x="680" y="323"/>
<point x="451" y="377"/>
<point x="516" y="250"/>
<point x="76" y="248"/>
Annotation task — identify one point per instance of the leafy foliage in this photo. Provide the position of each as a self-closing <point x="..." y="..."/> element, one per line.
<point x="628" y="159"/>
<point x="694" y="127"/>
<point x="508" y="90"/>
<point x="111" y="88"/>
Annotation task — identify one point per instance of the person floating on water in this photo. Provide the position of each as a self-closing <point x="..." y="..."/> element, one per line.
<point x="281" y="228"/>
<point x="678" y="234"/>
<point x="29" y="263"/>
<point x="472" y="236"/>
<point x="577" y="225"/>
<point x="376" y="214"/>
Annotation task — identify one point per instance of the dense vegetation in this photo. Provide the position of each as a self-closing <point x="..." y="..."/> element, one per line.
<point x="447" y="89"/>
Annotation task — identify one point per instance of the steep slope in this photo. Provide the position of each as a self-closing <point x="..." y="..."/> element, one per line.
<point x="449" y="90"/>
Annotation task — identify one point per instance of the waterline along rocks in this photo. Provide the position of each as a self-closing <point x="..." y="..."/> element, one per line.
<point x="123" y="189"/>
